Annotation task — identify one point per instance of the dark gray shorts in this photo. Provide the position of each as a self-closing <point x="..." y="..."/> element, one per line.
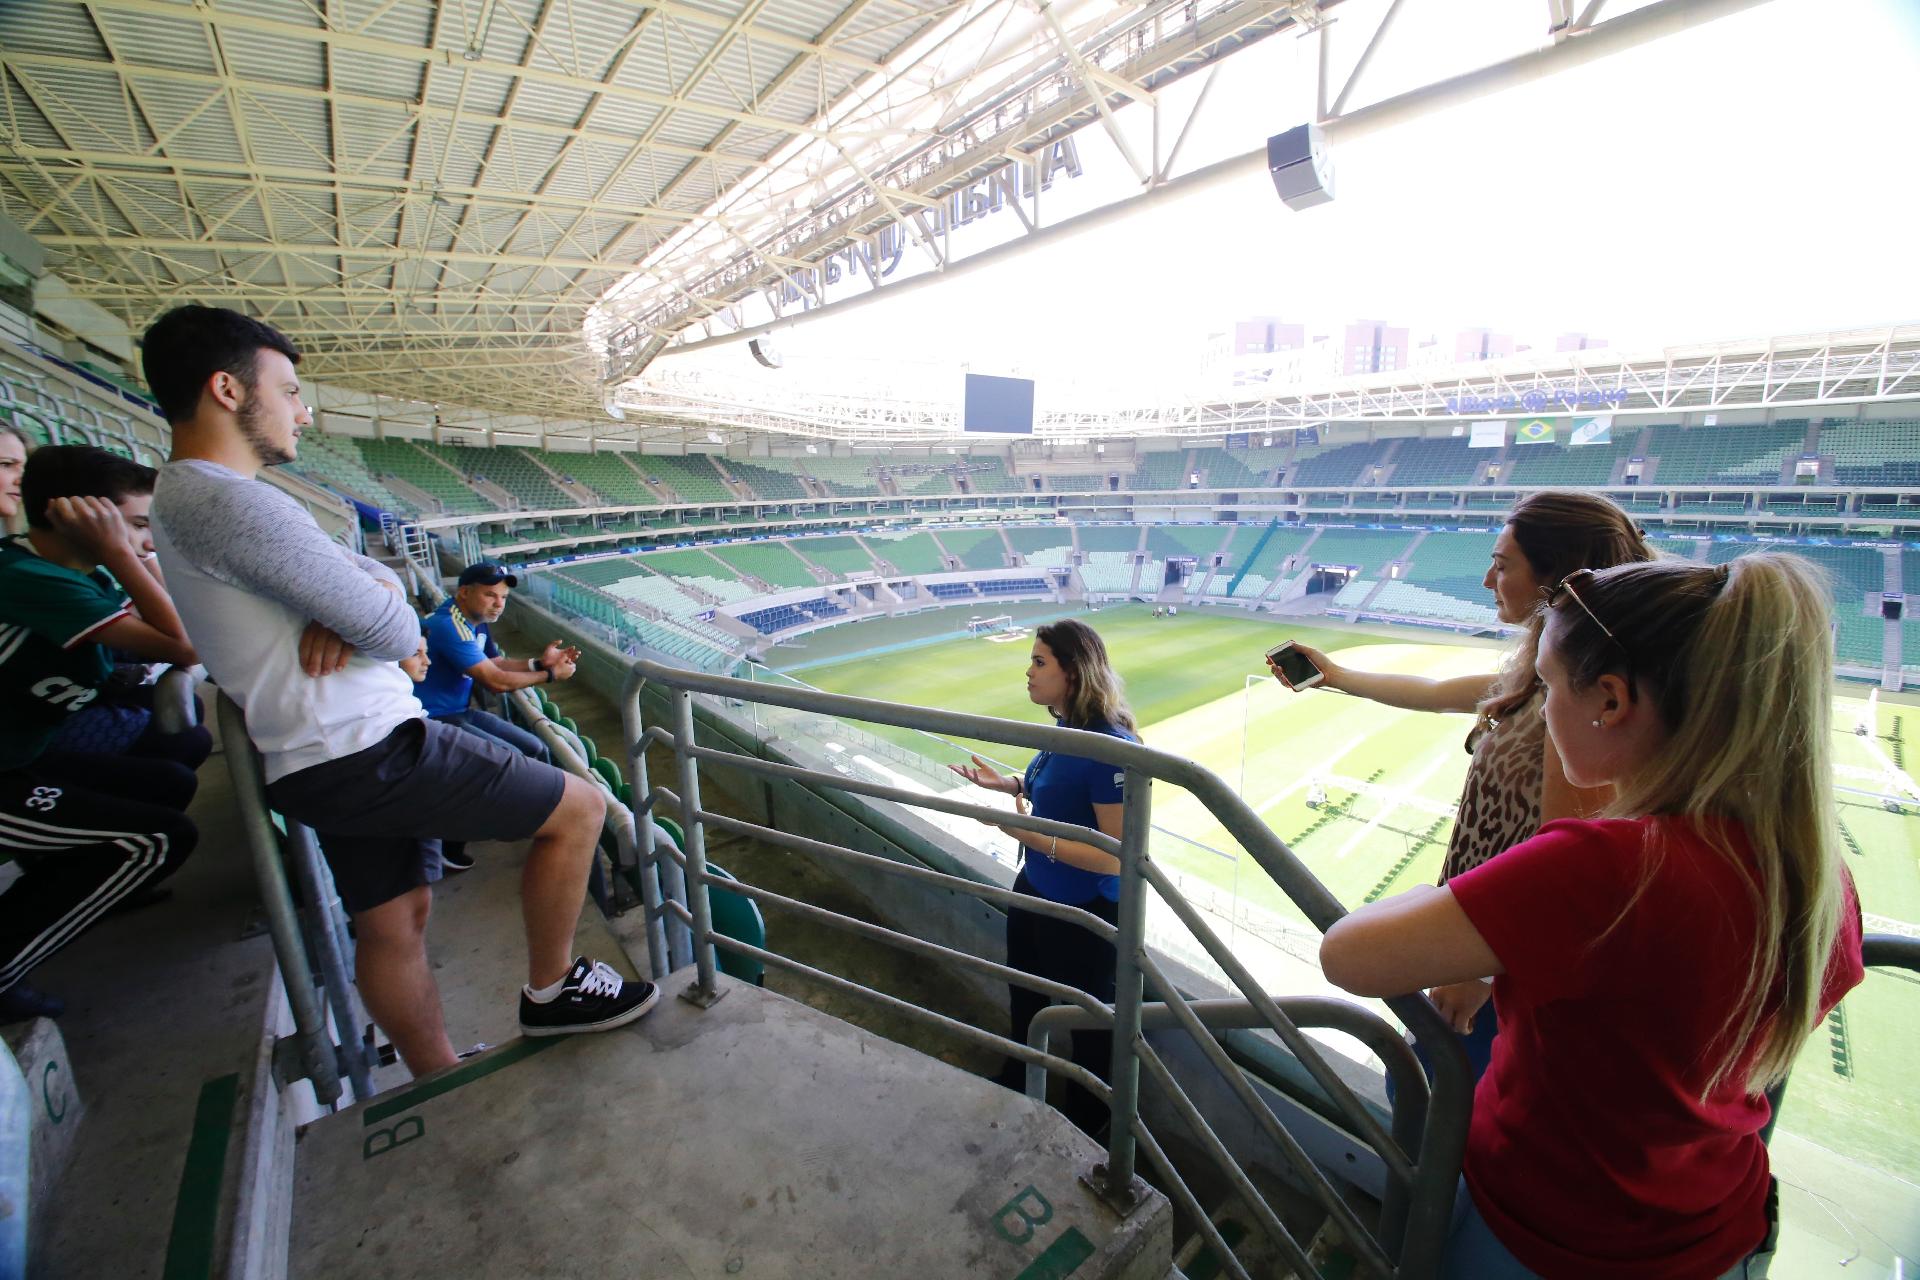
<point x="381" y="813"/>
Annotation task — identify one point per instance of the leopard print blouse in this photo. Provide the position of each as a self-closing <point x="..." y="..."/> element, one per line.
<point x="1500" y="805"/>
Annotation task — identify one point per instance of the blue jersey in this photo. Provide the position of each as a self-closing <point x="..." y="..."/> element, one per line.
<point x="1065" y="789"/>
<point x="455" y="644"/>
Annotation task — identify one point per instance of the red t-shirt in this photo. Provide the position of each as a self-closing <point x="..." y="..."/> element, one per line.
<point x="1591" y="1156"/>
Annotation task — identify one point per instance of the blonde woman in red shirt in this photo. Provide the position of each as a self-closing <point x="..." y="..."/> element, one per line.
<point x="1656" y="969"/>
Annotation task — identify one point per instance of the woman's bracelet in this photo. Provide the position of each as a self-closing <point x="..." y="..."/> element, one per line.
<point x="1054" y="852"/>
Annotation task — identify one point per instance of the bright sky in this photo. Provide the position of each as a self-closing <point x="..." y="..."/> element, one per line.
<point x="1752" y="176"/>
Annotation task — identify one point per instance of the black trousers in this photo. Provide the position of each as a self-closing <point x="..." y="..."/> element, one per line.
<point x="1069" y="954"/>
<point x="84" y="847"/>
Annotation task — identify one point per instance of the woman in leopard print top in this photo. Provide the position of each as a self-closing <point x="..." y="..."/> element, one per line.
<point x="1515" y="782"/>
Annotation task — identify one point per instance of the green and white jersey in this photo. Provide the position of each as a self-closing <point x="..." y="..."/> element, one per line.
<point x="49" y="665"/>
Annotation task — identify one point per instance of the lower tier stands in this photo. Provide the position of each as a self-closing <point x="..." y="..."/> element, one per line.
<point x="952" y="590"/>
<point x="1011" y="586"/>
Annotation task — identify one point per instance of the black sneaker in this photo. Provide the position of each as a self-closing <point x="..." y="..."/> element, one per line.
<point x="454" y="857"/>
<point x="594" y="997"/>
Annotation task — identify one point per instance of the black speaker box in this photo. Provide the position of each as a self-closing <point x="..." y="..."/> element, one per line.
<point x="1301" y="168"/>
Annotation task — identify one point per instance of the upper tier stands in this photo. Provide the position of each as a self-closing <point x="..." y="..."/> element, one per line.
<point x="1220" y="469"/>
<point x="1340" y="464"/>
<point x="1873" y="453"/>
<point x="768" y="482"/>
<point x="1725" y="455"/>
<point x="405" y="460"/>
<point x="838" y="554"/>
<point x="1265" y="463"/>
<point x="333" y="461"/>
<point x="907" y="552"/>
<point x="988" y="475"/>
<point x="1443" y="461"/>
<point x="921" y="481"/>
<point x="691" y="476"/>
<point x="1555" y="464"/>
<point x="975" y="548"/>
<point x="607" y="474"/>
<point x="511" y="469"/>
<point x="774" y="563"/>
<point x="845" y="477"/>
<point x="1164" y="470"/>
<point x="1079" y="483"/>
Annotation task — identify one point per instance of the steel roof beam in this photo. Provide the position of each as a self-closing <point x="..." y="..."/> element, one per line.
<point x="402" y="51"/>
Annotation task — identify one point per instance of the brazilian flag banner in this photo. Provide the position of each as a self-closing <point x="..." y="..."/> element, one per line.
<point x="1534" y="431"/>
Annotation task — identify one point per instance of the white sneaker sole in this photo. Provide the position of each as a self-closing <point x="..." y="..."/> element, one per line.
<point x="605" y="1024"/>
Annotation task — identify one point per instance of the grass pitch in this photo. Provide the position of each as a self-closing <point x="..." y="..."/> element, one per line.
<point x="1391" y="779"/>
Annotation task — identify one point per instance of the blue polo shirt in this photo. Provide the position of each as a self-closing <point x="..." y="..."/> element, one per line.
<point x="1065" y="789"/>
<point x="454" y="644"/>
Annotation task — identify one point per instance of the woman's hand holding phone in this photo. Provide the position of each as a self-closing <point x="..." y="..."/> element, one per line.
<point x="1299" y="666"/>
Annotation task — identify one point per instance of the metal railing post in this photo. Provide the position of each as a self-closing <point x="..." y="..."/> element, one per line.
<point x="310" y="1031"/>
<point x="316" y="886"/>
<point x="646" y="846"/>
<point x="705" y="991"/>
<point x="1115" y="1180"/>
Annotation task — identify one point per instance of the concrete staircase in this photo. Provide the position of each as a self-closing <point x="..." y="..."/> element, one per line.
<point x="756" y="1137"/>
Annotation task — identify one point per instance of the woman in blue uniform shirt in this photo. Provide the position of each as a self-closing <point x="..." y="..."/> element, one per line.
<point x="1069" y="674"/>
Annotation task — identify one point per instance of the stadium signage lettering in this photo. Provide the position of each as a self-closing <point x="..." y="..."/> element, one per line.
<point x="1537" y="400"/>
<point x="876" y="259"/>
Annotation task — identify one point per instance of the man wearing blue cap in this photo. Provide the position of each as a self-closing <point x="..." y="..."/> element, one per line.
<point x="461" y="648"/>
<point x="461" y="652"/>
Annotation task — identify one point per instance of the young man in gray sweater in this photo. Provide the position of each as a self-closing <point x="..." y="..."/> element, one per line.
<point x="306" y="637"/>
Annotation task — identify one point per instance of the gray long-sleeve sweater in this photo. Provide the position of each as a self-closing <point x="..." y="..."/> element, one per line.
<point x="249" y="569"/>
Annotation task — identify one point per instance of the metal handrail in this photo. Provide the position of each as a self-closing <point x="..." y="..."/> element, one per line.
<point x="315" y="1049"/>
<point x="1421" y="1156"/>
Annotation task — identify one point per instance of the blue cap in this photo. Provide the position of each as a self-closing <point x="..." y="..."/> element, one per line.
<point x="484" y="573"/>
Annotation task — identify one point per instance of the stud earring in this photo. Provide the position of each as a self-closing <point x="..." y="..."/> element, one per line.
<point x="1598" y="725"/>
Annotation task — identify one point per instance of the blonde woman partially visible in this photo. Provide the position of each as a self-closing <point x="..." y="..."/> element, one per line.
<point x="1515" y="782"/>
<point x="1656" y="970"/>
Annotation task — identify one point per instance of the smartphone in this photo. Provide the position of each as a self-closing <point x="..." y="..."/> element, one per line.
<point x="1296" y="666"/>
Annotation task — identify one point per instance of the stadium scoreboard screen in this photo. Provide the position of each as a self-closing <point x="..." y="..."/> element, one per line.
<point x="1002" y="405"/>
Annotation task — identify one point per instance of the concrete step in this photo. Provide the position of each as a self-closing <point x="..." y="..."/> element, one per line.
<point x="757" y="1137"/>
<point x="55" y="1108"/>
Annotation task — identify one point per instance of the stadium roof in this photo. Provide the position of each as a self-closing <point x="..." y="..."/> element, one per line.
<point x="432" y="197"/>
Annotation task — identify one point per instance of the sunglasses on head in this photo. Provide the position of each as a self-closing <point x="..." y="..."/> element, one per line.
<point x="1568" y="588"/>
